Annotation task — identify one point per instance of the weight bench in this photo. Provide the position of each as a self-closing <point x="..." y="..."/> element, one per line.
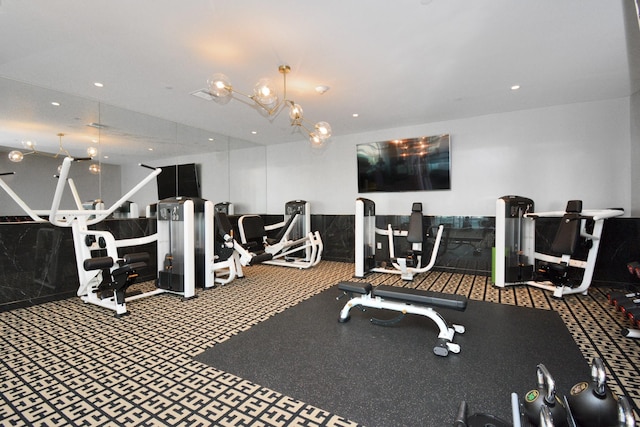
<point x="406" y="300"/>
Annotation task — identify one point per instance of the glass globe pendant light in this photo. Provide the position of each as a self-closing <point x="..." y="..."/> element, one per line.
<point x="264" y="93"/>
<point x="16" y="156"/>
<point x="268" y="102"/>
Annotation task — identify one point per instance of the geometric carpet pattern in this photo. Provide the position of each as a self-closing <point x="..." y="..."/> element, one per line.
<point x="70" y="363"/>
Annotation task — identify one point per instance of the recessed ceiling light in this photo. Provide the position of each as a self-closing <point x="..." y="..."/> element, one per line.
<point x="321" y="89"/>
<point x="254" y="132"/>
<point x="150" y="149"/>
<point x="355" y="115"/>
<point x="98" y="84"/>
<point x="515" y="87"/>
<point x="55" y="103"/>
<point x="211" y="139"/>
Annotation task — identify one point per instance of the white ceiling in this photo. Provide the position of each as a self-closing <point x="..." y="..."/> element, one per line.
<point x="395" y="63"/>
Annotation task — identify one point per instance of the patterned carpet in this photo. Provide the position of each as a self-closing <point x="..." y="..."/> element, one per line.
<point x="69" y="363"/>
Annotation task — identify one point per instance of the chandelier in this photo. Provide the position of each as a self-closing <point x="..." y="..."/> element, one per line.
<point x="17" y="156"/>
<point x="266" y="98"/>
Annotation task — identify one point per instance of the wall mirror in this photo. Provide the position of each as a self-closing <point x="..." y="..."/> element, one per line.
<point x="121" y="137"/>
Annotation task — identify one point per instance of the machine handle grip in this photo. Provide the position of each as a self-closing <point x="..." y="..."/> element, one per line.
<point x="545" y="379"/>
<point x="598" y="376"/>
<point x="461" y="418"/>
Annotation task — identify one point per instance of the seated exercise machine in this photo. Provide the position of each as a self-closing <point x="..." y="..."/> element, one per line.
<point x="561" y="268"/>
<point x="228" y="247"/>
<point x="115" y="282"/>
<point x="294" y="245"/>
<point x="366" y="244"/>
<point x="406" y="300"/>
<point x="103" y="274"/>
<point x="185" y="246"/>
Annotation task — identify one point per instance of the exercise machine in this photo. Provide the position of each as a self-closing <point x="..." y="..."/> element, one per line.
<point x="294" y="244"/>
<point x="185" y="246"/>
<point x="366" y="244"/>
<point x="563" y="268"/>
<point x="181" y="240"/>
<point x="226" y="207"/>
<point x="406" y="301"/>
<point x="103" y="274"/>
<point x="239" y="255"/>
<point x="221" y="249"/>
<point x="191" y="252"/>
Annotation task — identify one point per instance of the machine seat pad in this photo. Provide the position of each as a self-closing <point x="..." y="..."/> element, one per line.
<point x="355" y="287"/>
<point x="419" y="296"/>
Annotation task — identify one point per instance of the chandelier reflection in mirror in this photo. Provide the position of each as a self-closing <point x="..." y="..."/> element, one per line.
<point x="265" y="97"/>
<point x="17" y="156"/>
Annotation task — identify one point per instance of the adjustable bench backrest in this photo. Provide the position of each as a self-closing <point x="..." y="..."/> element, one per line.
<point x="568" y="233"/>
<point x="416" y="227"/>
<point x="252" y="228"/>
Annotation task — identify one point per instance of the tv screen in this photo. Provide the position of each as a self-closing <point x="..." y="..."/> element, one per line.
<point x="178" y="180"/>
<point x="415" y="164"/>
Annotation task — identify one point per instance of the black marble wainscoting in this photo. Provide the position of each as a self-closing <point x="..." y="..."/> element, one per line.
<point x="37" y="261"/>
<point x="619" y="245"/>
<point x="467" y="243"/>
<point x="465" y="246"/>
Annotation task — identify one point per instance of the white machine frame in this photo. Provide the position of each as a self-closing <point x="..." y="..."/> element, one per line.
<point x="282" y="252"/>
<point x="399" y="264"/>
<point x="79" y="220"/>
<point x="598" y="216"/>
<point x="219" y="272"/>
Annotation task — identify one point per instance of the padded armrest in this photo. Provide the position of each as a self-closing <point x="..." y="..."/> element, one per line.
<point x="137" y="257"/>
<point x="97" y="263"/>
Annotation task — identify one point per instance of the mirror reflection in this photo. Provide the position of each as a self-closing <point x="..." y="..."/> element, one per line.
<point x="32" y="117"/>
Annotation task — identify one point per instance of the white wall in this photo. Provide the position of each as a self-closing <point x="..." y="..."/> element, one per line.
<point x="551" y="155"/>
<point x="579" y="151"/>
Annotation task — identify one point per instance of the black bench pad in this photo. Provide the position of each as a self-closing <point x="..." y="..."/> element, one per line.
<point x="419" y="296"/>
<point x="355" y="287"/>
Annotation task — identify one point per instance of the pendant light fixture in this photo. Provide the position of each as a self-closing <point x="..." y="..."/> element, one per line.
<point x="266" y="98"/>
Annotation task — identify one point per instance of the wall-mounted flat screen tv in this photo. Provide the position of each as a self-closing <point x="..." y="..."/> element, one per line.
<point x="178" y="180"/>
<point x="415" y="164"/>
